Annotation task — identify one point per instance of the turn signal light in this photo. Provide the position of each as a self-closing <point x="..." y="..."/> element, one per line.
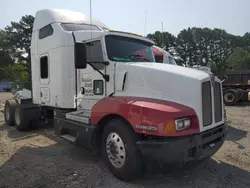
<point x="170" y="127"/>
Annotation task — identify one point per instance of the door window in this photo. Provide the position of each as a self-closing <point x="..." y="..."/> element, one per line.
<point x="98" y="87"/>
<point x="44" y="69"/>
<point x="95" y="53"/>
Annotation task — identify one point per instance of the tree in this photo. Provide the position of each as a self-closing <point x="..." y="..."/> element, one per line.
<point x="164" y="39"/>
<point x="202" y="46"/>
<point x="5" y="58"/>
<point x="15" y="72"/>
<point x="15" y="43"/>
<point x="18" y="37"/>
<point x="239" y="59"/>
<point x="221" y="49"/>
<point x="18" y="40"/>
<point x="186" y="46"/>
<point x="246" y="41"/>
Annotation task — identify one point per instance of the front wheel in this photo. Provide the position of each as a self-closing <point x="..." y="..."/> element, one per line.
<point x="119" y="150"/>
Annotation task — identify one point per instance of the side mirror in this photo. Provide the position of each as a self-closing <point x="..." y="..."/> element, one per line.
<point x="224" y="78"/>
<point x="80" y="56"/>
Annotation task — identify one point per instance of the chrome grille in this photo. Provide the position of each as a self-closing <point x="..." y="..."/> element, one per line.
<point x="206" y="103"/>
<point x="217" y="102"/>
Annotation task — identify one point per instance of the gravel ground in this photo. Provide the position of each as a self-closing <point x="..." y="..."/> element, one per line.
<point x="40" y="159"/>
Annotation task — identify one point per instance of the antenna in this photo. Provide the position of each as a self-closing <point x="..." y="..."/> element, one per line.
<point x="90" y="12"/>
<point x="145" y="24"/>
<point x="162" y="34"/>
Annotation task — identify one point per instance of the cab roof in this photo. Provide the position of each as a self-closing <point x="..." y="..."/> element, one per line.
<point x="47" y="16"/>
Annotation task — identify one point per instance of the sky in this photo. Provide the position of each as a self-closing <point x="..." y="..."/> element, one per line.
<point x="144" y="16"/>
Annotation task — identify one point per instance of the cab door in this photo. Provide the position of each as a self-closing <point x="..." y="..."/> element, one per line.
<point x="91" y="85"/>
<point x="44" y="79"/>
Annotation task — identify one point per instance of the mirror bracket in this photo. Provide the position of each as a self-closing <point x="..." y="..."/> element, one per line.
<point x="106" y="78"/>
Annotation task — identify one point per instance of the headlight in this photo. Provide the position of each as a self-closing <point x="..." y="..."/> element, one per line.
<point x="181" y="124"/>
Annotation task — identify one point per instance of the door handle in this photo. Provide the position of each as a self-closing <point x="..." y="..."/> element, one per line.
<point x="83" y="91"/>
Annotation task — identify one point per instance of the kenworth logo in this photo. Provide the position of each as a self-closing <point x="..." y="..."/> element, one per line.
<point x="146" y="128"/>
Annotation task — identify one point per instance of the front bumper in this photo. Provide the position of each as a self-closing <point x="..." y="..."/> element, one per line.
<point x="185" y="148"/>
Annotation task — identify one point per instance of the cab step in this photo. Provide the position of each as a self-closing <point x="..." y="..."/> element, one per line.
<point x="74" y="130"/>
<point x="82" y="116"/>
<point x="69" y="138"/>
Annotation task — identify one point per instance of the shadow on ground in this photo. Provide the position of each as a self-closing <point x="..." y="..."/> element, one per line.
<point x="235" y="135"/>
<point x="63" y="166"/>
<point x="16" y="135"/>
<point x="210" y="174"/>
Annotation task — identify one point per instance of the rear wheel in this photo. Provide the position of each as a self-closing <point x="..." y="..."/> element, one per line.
<point x="243" y="94"/>
<point x="21" y="121"/>
<point x="9" y="112"/>
<point x="231" y="97"/>
<point x="119" y="150"/>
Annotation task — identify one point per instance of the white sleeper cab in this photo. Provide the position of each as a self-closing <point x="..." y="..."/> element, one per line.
<point x="104" y="91"/>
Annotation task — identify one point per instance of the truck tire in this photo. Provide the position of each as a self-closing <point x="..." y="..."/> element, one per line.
<point x="9" y="112"/>
<point x="243" y="95"/>
<point x="231" y="97"/>
<point x="21" y="121"/>
<point x="119" y="150"/>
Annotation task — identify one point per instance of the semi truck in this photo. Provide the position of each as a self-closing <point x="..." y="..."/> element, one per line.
<point x="103" y="90"/>
<point x="236" y="87"/>
<point x="162" y="56"/>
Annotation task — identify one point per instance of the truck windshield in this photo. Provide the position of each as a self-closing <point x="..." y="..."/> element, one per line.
<point x="124" y="49"/>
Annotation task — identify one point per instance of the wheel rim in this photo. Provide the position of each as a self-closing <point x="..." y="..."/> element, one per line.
<point x="229" y="97"/>
<point x="17" y="116"/>
<point x="7" y="112"/>
<point x="115" y="150"/>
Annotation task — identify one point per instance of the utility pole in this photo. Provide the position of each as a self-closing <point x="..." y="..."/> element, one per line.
<point x="162" y="35"/>
<point x="145" y="24"/>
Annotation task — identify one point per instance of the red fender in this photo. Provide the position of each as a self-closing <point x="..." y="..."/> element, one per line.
<point x="147" y="112"/>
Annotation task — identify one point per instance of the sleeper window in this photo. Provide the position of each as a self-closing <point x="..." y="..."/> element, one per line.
<point x="46" y="31"/>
